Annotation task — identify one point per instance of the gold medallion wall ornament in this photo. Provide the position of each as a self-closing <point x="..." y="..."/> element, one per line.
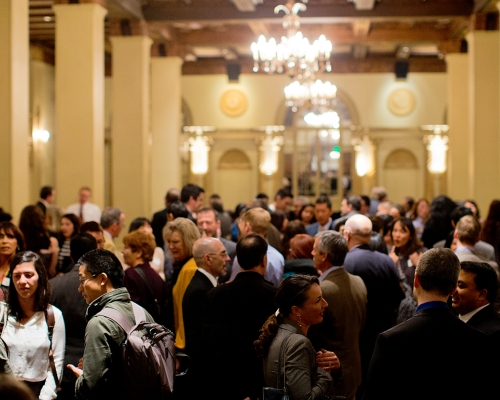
<point x="401" y="102"/>
<point x="233" y="103"/>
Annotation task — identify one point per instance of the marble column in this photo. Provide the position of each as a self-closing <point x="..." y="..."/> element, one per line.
<point x="166" y="125"/>
<point x="79" y="95"/>
<point x="131" y="139"/>
<point x="14" y="106"/>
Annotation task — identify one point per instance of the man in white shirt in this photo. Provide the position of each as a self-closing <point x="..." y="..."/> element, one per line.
<point x="84" y="209"/>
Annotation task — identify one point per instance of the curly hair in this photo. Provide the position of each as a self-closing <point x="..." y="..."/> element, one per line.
<point x="141" y="241"/>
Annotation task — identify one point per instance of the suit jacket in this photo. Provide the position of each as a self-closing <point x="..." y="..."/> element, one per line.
<point x="313" y="229"/>
<point x="230" y="247"/>
<point x="65" y="296"/>
<point x="436" y="340"/>
<point x="304" y="380"/>
<point x="236" y="311"/>
<point x="41" y="206"/>
<point x="384" y="294"/>
<point x="158" y="221"/>
<point x="342" y="323"/>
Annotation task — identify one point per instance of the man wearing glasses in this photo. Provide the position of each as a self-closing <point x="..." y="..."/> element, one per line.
<point x="101" y="276"/>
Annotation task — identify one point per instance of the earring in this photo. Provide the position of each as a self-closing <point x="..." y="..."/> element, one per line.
<point x="300" y="319"/>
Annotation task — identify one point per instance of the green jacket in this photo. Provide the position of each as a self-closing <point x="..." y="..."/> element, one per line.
<point x="102" y="376"/>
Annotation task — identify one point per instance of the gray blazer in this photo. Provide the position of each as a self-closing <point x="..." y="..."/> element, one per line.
<point x="304" y="380"/>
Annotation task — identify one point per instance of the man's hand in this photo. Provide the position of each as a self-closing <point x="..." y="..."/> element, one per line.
<point x="327" y="360"/>
<point x="77" y="371"/>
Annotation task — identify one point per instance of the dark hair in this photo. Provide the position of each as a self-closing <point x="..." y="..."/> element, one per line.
<point x="366" y="199"/>
<point x="478" y="215"/>
<point x="313" y="220"/>
<point x="103" y="261"/>
<point x="324" y="199"/>
<point x="294" y="228"/>
<point x="377" y="223"/>
<point x="414" y="214"/>
<point x="10" y="229"/>
<point x="459" y="212"/>
<point x="46" y="191"/>
<point x="438" y="271"/>
<point x="76" y="227"/>
<point x="5" y="217"/>
<point x="217" y="205"/>
<point x="32" y="225"/>
<point x="486" y="277"/>
<point x="410" y="202"/>
<point x="251" y="250"/>
<point x="138" y="223"/>
<point x="209" y="209"/>
<point x="80" y="244"/>
<point x="110" y="216"/>
<point x="491" y="223"/>
<point x="190" y="190"/>
<point x="262" y="196"/>
<point x="291" y="292"/>
<point x="172" y="196"/>
<point x="354" y="202"/>
<point x="377" y="243"/>
<point x="90" y="226"/>
<point x="414" y="242"/>
<point x="283" y="192"/>
<point x="278" y="219"/>
<point x="42" y="294"/>
<point x="177" y="209"/>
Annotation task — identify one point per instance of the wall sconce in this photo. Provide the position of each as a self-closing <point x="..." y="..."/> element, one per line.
<point x="364" y="156"/>
<point x="437" y="144"/>
<point x="199" y="147"/>
<point x="41" y="135"/>
<point x="270" y="148"/>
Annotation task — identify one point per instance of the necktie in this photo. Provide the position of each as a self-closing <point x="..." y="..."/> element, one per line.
<point x="81" y="213"/>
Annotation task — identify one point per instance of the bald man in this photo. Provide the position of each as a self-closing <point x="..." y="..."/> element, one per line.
<point x="211" y="257"/>
<point x="382" y="284"/>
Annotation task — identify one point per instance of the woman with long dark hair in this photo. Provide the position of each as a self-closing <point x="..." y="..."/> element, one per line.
<point x="11" y="242"/>
<point x="288" y="356"/>
<point x="36" y="235"/>
<point x="70" y="225"/>
<point x="491" y="228"/>
<point x="26" y="330"/>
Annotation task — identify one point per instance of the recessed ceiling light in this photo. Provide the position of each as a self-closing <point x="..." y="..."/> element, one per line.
<point x="47" y="18"/>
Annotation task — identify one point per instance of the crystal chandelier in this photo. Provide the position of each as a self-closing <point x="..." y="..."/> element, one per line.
<point x="294" y="54"/>
<point x="318" y="93"/>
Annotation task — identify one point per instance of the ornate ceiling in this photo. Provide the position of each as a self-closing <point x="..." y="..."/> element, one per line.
<point x="367" y="35"/>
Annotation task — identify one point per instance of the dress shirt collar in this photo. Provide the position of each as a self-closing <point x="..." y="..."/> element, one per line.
<point x="325" y="227"/>
<point x="106" y="233"/>
<point x="469" y="315"/>
<point x="209" y="276"/>
<point x="324" y="274"/>
<point x="431" y="304"/>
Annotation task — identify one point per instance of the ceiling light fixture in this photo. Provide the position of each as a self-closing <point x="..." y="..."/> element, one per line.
<point x="317" y="93"/>
<point x="294" y="54"/>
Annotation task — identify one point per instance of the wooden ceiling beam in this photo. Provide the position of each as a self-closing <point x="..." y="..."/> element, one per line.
<point x="206" y="12"/>
<point x="341" y="64"/>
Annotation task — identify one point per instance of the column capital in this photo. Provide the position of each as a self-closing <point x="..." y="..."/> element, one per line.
<point x="484" y="21"/>
<point x="128" y="27"/>
<point x="100" y="2"/>
<point x="452" y="46"/>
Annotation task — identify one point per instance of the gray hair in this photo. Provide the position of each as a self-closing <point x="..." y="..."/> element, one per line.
<point x="110" y="216"/>
<point x="333" y="244"/>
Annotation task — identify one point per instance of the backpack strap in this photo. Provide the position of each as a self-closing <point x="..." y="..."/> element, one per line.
<point x="121" y="319"/>
<point x="51" y="321"/>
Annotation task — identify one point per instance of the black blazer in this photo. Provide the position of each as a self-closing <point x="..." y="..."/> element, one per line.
<point x="158" y="221"/>
<point x="449" y="360"/>
<point x="236" y="312"/>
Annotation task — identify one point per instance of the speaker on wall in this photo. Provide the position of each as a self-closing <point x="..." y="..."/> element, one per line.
<point x="233" y="72"/>
<point x="401" y="69"/>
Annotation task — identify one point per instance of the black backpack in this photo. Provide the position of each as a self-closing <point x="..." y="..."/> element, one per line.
<point x="148" y="356"/>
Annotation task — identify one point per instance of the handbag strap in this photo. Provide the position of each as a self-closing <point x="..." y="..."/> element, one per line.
<point x="148" y="284"/>
<point x="285" y="340"/>
<point x="51" y="321"/>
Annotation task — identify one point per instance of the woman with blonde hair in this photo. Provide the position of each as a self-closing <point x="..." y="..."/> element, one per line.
<point x="180" y="234"/>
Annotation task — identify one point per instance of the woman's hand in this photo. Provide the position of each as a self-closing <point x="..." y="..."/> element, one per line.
<point x="393" y="255"/>
<point x="327" y="360"/>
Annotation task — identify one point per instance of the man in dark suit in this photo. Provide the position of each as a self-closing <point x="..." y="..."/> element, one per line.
<point x="236" y="312"/>
<point x="47" y="197"/>
<point x="210" y="257"/>
<point x="65" y="296"/>
<point x="160" y="218"/>
<point x="323" y="214"/>
<point x="446" y="359"/>
<point x="209" y="224"/>
<point x="473" y="299"/>
<point x="382" y="284"/>
<point x="345" y="316"/>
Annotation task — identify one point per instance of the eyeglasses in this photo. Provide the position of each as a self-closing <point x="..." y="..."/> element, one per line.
<point x="223" y="254"/>
<point x="84" y="281"/>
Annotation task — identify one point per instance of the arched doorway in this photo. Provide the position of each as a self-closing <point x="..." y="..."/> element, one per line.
<point x="401" y="175"/>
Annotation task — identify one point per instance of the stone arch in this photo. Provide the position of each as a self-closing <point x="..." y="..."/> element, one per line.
<point x="234" y="159"/>
<point x="400" y="159"/>
<point x="187" y="117"/>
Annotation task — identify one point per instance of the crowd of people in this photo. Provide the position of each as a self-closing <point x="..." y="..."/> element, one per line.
<point x="354" y="303"/>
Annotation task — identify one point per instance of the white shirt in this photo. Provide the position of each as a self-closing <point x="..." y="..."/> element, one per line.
<point x="469" y="315"/>
<point x="29" y="348"/>
<point x="91" y="211"/>
<point x="209" y="276"/>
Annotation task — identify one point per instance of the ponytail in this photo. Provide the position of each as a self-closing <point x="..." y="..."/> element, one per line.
<point x="267" y="334"/>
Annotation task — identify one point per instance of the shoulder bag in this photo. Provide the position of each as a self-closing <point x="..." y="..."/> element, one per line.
<point x="270" y="393"/>
<point x="50" y="320"/>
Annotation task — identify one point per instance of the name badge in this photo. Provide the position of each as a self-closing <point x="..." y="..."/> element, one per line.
<point x="6" y="281"/>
